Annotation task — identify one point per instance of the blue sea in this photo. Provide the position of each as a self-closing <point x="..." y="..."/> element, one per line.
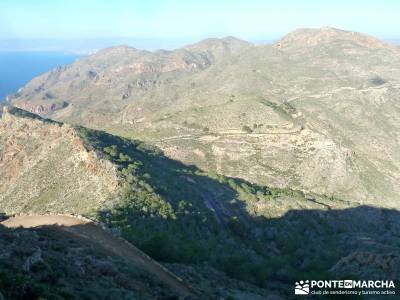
<point x="18" y="68"/>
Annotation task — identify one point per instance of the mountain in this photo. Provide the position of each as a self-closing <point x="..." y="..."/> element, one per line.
<point x="50" y="168"/>
<point x="48" y="263"/>
<point x="311" y="37"/>
<point x="317" y="111"/>
<point x="43" y="161"/>
<point x="223" y="236"/>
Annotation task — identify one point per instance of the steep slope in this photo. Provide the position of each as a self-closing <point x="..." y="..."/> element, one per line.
<point x="104" y="240"/>
<point x="198" y="224"/>
<point x="42" y="161"/>
<point x="59" y="262"/>
<point x="317" y="111"/>
<point x="53" y="263"/>
<point x="147" y="189"/>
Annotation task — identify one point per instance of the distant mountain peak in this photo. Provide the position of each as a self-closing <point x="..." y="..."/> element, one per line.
<point x="119" y="50"/>
<point x="310" y="37"/>
<point x="231" y="38"/>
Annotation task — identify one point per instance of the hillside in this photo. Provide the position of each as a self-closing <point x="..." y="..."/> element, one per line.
<point x="45" y="167"/>
<point x="76" y="259"/>
<point x="54" y="264"/>
<point x="317" y="111"/>
<point x="222" y="235"/>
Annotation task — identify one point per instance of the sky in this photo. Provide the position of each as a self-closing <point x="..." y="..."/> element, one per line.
<point x="171" y="22"/>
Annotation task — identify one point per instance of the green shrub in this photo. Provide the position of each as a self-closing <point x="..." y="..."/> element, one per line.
<point x="247" y="129"/>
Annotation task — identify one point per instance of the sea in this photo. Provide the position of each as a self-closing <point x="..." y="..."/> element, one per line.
<point x="18" y="68"/>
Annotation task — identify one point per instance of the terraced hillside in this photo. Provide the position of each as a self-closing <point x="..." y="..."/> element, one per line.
<point x="224" y="236"/>
<point x="317" y="111"/>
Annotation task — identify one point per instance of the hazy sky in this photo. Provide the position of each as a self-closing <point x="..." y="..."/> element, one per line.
<point x="190" y="20"/>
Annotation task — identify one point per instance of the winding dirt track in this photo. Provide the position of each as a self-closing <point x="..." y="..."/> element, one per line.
<point x="95" y="234"/>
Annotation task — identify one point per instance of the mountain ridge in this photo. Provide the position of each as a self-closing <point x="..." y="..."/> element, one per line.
<point x="230" y="233"/>
<point x="287" y="111"/>
<point x="309" y="37"/>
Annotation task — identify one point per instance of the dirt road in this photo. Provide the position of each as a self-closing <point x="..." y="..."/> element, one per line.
<point x="103" y="239"/>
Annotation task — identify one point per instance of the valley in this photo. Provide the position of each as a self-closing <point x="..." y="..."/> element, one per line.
<point x="266" y="113"/>
<point x="219" y="170"/>
<point x="193" y="222"/>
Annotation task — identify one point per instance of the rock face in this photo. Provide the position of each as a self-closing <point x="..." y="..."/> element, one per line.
<point x="43" y="108"/>
<point x="45" y="167"/>
<point x="317" y="111"/>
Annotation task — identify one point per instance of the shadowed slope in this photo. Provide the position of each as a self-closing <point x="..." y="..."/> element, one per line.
<point x="104" y="240"/>
<point x="359" y="243"/>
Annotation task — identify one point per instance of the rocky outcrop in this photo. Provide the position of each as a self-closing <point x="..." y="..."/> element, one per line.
<point x="43" y="162"/>
<point x="42" y="108"/>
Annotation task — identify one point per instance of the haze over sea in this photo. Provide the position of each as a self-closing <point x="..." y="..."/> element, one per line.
<point x="18" y="68"/>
